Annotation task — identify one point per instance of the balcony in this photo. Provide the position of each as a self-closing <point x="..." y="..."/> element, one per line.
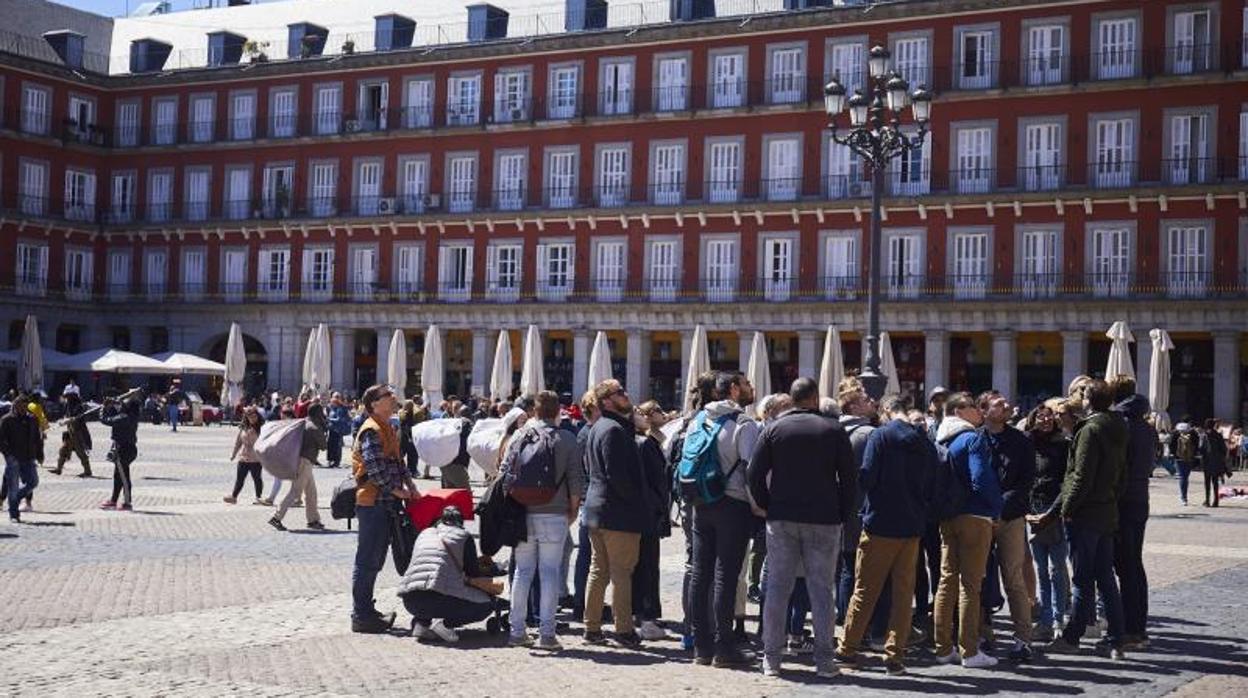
<point x="1025" y="287"/>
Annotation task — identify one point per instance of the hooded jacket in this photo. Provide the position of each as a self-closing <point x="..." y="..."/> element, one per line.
<point x="803" y="469"/>
<point x="1015" y="460"/>
<point x="736" y="443"/>
<point x="1094" y="477"/>
<point x="971" y="458"/>
<point x="1141" y="449"/>
<point x="897" y="475"/>
<point x="616" y="499"/>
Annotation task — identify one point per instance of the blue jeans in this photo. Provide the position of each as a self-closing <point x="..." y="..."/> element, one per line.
<point x="1185" y="474"/>
<point x="1052" y="579"/>
<point x="1092" y="559"/>
<point x="1167" y="464"/>
<point x="542" y="552"/>
<point x="817" y="547"/>
<point x="370" y="555"/>
<point x="25" y="472"/>
<point x="333" y="449"/>
<point x="172" y="412"/>
<point x="580" y="573"/>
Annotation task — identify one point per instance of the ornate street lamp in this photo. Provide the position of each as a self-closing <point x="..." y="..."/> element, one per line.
<point x="875" y="134"/>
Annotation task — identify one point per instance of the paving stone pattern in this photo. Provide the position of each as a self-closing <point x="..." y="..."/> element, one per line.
<point x="189" y="596"/>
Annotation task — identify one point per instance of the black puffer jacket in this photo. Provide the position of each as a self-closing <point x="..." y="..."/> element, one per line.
<point x="1052" y="452"/>
<point x="617" y="498"/>
<point x="1015" y="461"/>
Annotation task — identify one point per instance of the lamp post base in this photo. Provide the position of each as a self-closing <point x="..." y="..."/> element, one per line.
<point x="874" y="383"/>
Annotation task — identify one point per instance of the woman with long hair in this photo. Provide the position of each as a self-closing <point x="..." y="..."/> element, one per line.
<point x="1048" y="544"/>
<point x="245" y="452"/>
<point x="649" y="419"/>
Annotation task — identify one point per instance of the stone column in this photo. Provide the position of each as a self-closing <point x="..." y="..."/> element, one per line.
<point x="480" y="362"/>
<point x="1074" y="356"/>
<point x="745" y="344"/>
<point x="580" y="362"/>
<point x="1226" y="370"/>
<point x="343" y="359"/>
<point x="1143" y="359"/>
<point x="638" y="364"/>
<point x="383" y="354"/>
<point x="935" y="361"/>
<point x="1004" y="362"/>
<point x="808" y="346"/>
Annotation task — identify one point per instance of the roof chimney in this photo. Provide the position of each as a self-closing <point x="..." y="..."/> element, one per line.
<point x="486" y="22"/>
<point x="580" y="15"/>
<point x="305" y="40"/>
<point x="225" y="48"/>
<point x="68" y="45"/>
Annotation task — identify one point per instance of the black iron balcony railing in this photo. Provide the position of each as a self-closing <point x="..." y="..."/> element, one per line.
<point x="1124" y="286"/>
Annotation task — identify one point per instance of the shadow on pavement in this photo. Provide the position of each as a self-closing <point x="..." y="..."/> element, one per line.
<point x="161" y="479"/>
<point x="58" y="524"/>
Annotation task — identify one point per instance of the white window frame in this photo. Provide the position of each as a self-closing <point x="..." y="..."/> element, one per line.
<point x="164" y="120"/>
<point x="783" y="162"/>
<point x="160" y="195"/>
<point x="612" y="184"/>
<point x="1116" y="46"/>
<point x="1113" y="164"/>
<point x="197" y="199"/>
<point x="414" y="183"/>
<point x="243" y="120"/>
<point x="1188" y="144"/>
<point x="31" y="273"/>
<point x="1045" y="62"/>
<point x="563" y="103"/>
<point x="663" y="268"/>
<point x="973" y="157"/>
<point x="322" y="187"/>
<point x="721" y="267"/>
<point x="129" y="122"/>
<point x="232" y="278"/>
<point x="904" y="275"/>
<point x="978" y="70"/>
<point x="460" y="255"/>
<point x="463" y="99"/>
<point x="970" y="262"/>
<point x="777" y="259"/>
<point x="1187" y="269"/>
<point x="80" y="192"/>
<point x="786" y="73"/>
<point x="409" y="267"/>
<point x="36" y="109"/>
<point x="368" y="176"/>
<point x="273" y="274"/>
<point x="274" y="174"/>
<point x="33" y="185"/>
<point x="912" y="56"/>
<point x="283" y="122"/>
<point x="504" y="270"/>
<point x="672" y="75"/>
<point x="617" y="83"/>
<point x="513" y="92"/>
<point x="122" y="196"/>
<point x="1111" y="276"/>
<point x="1038" y="259"/>
<point x="840" y="264"/>
<point x="461" y="181"/>
<point x="669" y="171"/>
<point x="1188" y="52"/>
<point x="237" y="203"/>
<point x="193" y="268"/>
<point x="418" y="102"/>
<point x="155" y="273"/>
<point x="201" y="118"/>
<point x="370" y="117"/>
<point x="79" y="275"/>
<point x="728" y="89"/>
<point x="511" y="176"/>
<point x="610" y="270"/>
<point x="723" y="167"/>
<point x="363" y="272"/>
<point x="561" y="170"/>
<point x="911" y="173"/>
<point x="327" y="107"/>
<point x="1042" y="152"/>
<point x="120" y="274"/>
<point x="555" y="271"/>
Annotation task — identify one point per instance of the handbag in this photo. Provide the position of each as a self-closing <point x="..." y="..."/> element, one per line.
<point x="402" y="539"/>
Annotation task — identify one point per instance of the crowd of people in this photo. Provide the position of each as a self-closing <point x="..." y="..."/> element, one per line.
<point x="909" y="528"/>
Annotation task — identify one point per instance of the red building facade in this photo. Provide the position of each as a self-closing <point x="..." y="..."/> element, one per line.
<point x="1087" y="162"/>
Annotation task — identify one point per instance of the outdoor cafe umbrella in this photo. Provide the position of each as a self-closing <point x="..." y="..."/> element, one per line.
<point x="599" y="360"/>
<point x="309" y="359"/>
<point x="396" y="367"/>
<point x="1119" y="363"/>
<point x="113" y="361"/>
<point x="432" y="369"/>
<point x="532" y="375"/>
<point x="832" y="370"/>
<point x="758" y="371"/>
<point x="30" y="359"/>
<point x="235" y="366"/>
<point x="500" y="377"/>
<point x="888" y="365"/>
<point x="699" y="363"/>
<point x="1159" y="376"/>
<point x="191" y="364"/>
<point x="323" y="364"/>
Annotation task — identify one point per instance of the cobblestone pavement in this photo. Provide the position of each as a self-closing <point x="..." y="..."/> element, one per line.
<point x="191" y="596"/>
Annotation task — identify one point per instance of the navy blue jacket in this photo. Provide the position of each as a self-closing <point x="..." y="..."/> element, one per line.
<point x="1014" y="457"/>
<point x="897" y="475"/>
<point x="971" y="458"/>
<point x="617" y="498"/>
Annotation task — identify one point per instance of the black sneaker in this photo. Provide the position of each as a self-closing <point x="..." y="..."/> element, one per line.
<point x="894" y="667"/>
<point x="595" y="637"/>
<point x="1109" y="651"/>
<point x="1019" y="653"/>
<point x="849" y="662"/>
<point x="370" y="625"/>
<point x="736" y="658"/>
<point x="631" y="640"/>
<point x="316" y="525"/>
<point x="276" y="523"/>
<point x="1061" y="646"/>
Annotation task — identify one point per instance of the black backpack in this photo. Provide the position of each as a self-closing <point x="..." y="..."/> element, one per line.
<point x="342" y="504"/>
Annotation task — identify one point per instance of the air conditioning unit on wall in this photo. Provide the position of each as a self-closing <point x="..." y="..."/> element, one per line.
<point x="433" y="201"/>
<point x="385" y="206"/>
<point x="353" y="126"/>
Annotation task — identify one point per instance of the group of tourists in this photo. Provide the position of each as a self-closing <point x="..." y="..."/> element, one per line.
<point x="907" y="528"/>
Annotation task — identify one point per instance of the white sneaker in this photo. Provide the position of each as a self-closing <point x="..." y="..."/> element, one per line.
<point x="420" y="631"/>
<point x="979" y="661"/>
<point x="446" y="634"/>
<point x="651" y="631"/>
<point x="951" y="658"/>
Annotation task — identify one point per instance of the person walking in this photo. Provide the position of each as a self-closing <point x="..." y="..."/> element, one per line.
<point x="1213" y="460"/>
<point x="123" y="420"/>
<point x="536" y="447"/>
<point x="1014" y="459"/>
<point x="76" y="439"/>
<point x="966" y="535"/>
<point x="304" y="484"/>
<point x="382" y="483"/>
<point x="896" y="481"/>
<point x="1133" y="511"/>
<point x="722" y="528"/>
<point x="1048" y="545"/>
<point x="616" y="511"/>
<point x="245" y="452"/>
<point x="19" y="442"/>
<point x="1186" y="451"/>
<point x="174" y="398"/>
<point x="1090" y="514"/>
<point x="338" y="419"/>
<point x="802" y="474"/>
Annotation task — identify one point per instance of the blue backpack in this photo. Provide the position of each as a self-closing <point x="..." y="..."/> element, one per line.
<point x="699" y="479"/>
